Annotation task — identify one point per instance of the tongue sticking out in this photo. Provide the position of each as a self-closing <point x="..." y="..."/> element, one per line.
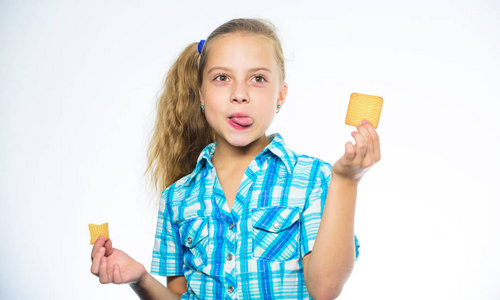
<point x="242" y="121"/>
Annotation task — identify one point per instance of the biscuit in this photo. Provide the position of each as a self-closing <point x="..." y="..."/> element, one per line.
<point x="97" y="230"/>
<point x="362" y="107"/>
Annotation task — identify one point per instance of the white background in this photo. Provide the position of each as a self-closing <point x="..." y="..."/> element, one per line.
<point x="78" y="84"/>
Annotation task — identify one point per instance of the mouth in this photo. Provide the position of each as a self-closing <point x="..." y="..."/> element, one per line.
<point x="240" y="121"/>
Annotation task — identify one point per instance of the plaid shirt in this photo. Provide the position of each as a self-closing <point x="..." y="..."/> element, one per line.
<point x="254" y="250"/>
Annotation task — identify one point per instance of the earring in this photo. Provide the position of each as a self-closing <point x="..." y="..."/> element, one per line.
<point x="278" y="110"/>
<point x="202" y="109"/>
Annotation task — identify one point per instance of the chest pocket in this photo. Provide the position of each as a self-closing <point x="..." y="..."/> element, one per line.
<point x="194" y="236"/>
<point x="275" y="233"/>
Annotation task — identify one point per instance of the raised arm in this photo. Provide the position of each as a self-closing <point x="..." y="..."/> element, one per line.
<point x="328" y="266"/>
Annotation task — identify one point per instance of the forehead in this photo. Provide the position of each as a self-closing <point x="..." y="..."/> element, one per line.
<point x="241" y="50"/>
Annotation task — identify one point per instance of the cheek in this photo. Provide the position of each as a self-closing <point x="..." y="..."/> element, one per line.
<point x="269" y="115"/>
<point x="272" y="94"/>
<point x="215" y="96"/>
<point x="210" y="114"/>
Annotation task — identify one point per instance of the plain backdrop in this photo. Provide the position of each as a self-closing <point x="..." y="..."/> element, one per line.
<point x="78" y="86"/>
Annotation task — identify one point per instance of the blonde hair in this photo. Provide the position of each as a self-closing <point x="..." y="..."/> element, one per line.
<point x="181" y="130"/>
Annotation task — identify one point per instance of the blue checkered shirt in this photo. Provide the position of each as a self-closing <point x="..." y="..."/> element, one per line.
<point x="254" y="250"/>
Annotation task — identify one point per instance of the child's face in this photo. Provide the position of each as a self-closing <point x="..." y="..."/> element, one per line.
<point x="241" y="89"/>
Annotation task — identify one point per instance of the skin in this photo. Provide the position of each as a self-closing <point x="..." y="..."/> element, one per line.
<point x="112" y="265"/>
<point x="242" y="76"/>
<point x="328" y="266"/>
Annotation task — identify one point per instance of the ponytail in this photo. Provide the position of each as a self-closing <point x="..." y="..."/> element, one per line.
<point x="181" y="130"/>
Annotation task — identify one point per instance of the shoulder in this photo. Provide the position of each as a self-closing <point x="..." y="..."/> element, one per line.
<point x="191" y="181"/>
<point x="297" y="164"/>
<point x="312" y="168"/>
<point x="184" y="183"/>
<point x="174" y="194"/>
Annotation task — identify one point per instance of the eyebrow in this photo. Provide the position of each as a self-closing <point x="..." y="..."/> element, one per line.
<point x="251" y="70"/>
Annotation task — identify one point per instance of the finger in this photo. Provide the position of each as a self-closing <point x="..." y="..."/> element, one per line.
<point x="103" y="271"/>
<point x="359" y="148"/>
<point x="349" y="151"/>
<point x="97" y="245"/>
<point x="368" y="159"/>
<point x="375" y="140"/>
<point x="366" y="136"/>
<point x="94" y="268"/>
<point x="108" y="245"/>
<point x="117" y="275"/>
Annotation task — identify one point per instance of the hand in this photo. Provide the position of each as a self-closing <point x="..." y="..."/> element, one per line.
<point x="359" y="158"/>
<point x="113" y="265"/>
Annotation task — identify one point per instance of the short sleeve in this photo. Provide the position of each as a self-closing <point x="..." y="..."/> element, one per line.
<point x="313" y="210"/>
<point x="168" y="253"/>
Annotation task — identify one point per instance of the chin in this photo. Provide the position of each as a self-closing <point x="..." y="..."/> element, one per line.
<point x="242" y="140"/>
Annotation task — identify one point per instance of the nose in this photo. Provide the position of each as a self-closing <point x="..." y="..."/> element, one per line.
<point x="240" y="93"/>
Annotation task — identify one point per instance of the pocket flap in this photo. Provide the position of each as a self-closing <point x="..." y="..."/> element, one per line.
<point x="193" y="231"/>
<point x="275" y="218"/>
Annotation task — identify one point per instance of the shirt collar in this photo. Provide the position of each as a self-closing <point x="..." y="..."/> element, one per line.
<point x="276" y="147"/>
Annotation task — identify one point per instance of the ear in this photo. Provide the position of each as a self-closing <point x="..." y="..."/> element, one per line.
<point x="282" y="94"/>
<point x="201" y="96"/>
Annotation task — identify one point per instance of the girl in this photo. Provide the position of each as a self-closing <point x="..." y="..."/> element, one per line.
<point x="242" y="219"/>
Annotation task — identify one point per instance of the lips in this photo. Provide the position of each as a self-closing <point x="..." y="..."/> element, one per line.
<point x="240" y="121"/>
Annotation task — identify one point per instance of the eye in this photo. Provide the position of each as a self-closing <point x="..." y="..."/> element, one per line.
<point x="221" y="77"/>
<point x="259" y="78"/>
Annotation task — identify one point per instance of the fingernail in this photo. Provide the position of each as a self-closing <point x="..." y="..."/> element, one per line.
<point x="364" y="122"/>
<point x="101" y="249"/>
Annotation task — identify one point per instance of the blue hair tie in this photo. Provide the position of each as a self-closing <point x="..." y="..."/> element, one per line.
<point x="200" y="45"/>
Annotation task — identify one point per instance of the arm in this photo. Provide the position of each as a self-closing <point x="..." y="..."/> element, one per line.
<point x="177" y="284"/>
<point x="328" y="266"/>
<point x="113" y="265"/>
<point x="150" y="288"/>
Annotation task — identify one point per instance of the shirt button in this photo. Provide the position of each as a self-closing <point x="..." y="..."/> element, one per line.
<point x="230" y="289"/>
<point x="229" y="257"/>
<point x="189" y="240"/>
<point x="231" y="225"/>
<point x="276" y="225"/>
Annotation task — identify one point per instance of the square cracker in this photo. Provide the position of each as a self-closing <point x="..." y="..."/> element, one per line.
<point x="97" y="230"/>
<point x="363" y="106"/>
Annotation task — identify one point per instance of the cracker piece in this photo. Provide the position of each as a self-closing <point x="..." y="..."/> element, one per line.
<point x="97" y="230"/>
<point x="363" y="106"/>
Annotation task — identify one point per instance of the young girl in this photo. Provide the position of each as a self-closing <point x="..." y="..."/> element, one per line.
<point x="246" y="218"/>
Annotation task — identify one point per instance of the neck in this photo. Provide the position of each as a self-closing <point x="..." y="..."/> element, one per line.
<point x="227" y="155"/>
